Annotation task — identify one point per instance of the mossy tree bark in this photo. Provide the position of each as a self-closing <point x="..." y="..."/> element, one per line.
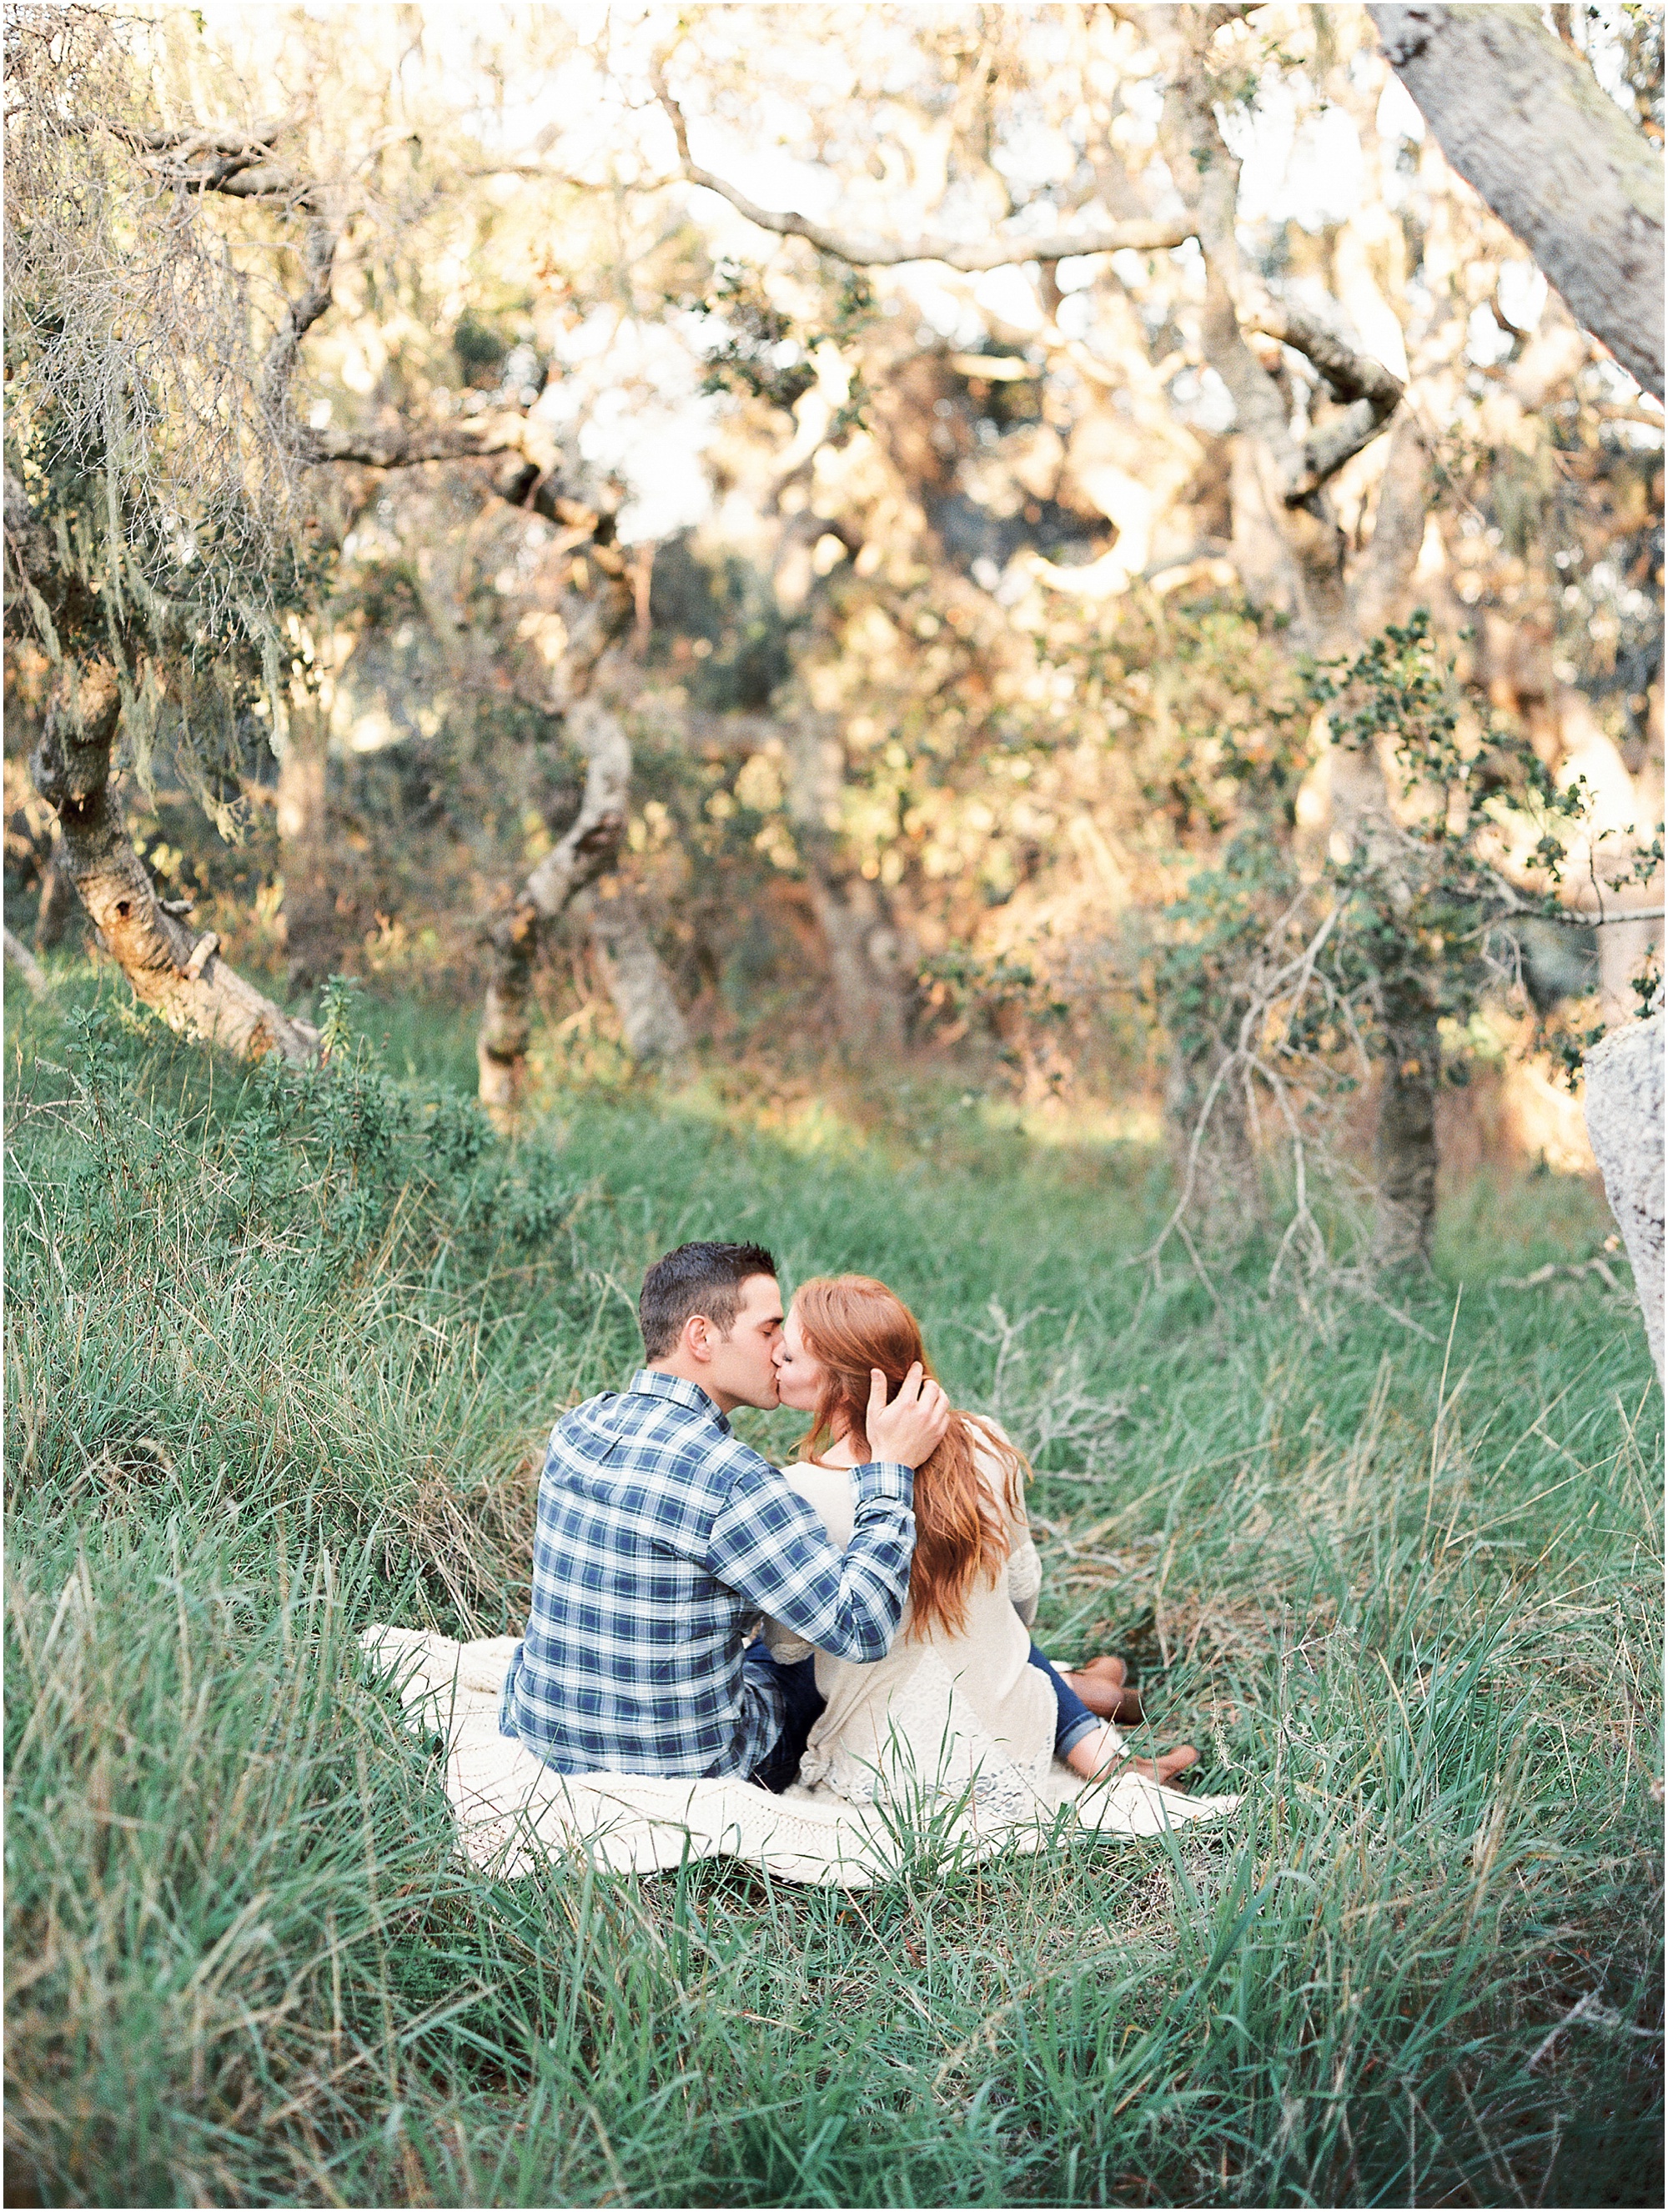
<point x="179" y="975"/>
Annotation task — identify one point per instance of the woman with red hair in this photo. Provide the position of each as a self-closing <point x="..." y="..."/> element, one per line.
<point x="963" y="1693"/>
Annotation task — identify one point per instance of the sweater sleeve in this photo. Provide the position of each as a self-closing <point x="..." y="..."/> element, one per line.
<point x="1025" y="1580"/>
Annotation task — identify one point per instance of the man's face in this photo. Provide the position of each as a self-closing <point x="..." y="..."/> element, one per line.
<point x="742" y="1368"/>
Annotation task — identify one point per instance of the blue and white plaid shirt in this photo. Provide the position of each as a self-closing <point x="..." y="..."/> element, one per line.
<point x="660" y="1538"/>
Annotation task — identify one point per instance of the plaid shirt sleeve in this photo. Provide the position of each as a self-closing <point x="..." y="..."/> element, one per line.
<point x="768" y="1545"/>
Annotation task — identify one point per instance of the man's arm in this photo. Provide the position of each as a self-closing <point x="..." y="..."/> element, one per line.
<point x="767" y="1544"/>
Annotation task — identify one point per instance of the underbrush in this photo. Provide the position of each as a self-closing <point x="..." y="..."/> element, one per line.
<point x="281" y="1353"/>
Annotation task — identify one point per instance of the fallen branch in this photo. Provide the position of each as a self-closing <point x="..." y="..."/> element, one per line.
<point x="26" y="963"/>
<point x="1589" y="2007"/>
<point x="1572" y="1270"/>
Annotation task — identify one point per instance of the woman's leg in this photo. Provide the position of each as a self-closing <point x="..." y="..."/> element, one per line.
<point x="1104" y="1685"/>
<point x="1072" y="1720"/>
<point x="1101" y="1686"/>
<point x="1091" y="1747"/>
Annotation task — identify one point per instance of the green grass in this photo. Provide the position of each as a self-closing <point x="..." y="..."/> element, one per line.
<point x="279" y="1358"/>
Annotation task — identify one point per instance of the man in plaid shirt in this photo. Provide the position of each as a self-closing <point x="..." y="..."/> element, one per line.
<point x="661" y="1538"/>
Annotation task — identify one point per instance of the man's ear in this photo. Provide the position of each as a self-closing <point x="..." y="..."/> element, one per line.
<point x="697" y="1337"/>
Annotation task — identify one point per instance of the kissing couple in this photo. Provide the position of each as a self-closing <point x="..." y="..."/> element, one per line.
<point x="852" y="1625"/>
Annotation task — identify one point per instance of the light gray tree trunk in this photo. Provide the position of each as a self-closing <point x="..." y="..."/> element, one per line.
<point x="1523" y="118"/>
<point x="585" y="852"/>
<point x="1624" y="1121"/>
<point x="177" y="973"/>
<point x="651" y="1021"/>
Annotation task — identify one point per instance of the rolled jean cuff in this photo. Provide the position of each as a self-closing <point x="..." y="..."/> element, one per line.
<point x="1071" y="1718"/>
<point x="1071" y="1735"/>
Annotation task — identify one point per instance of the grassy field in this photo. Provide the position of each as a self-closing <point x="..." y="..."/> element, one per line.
<point x="280" y="1357"/>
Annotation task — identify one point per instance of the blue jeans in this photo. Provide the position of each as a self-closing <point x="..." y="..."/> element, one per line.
<point x="802" y="1702"/>
<point x="1072" y="1720"/>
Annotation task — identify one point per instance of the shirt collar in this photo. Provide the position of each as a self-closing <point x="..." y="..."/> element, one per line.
<point x="649" y="1383"/>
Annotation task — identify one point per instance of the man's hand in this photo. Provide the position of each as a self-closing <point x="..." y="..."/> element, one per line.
<point x="910" y="1429"/>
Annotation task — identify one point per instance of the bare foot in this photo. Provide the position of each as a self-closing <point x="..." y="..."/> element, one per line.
<point x="1166" y="1766"/>
<point x="1099" y="1756"/>
<point x="1103" y="1686"/>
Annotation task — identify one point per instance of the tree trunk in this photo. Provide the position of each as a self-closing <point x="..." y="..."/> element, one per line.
<point x="583" y="854"/>
<point x="1378" y="591"/>
<point x="651" y="1021"/>
<point x="178" y="976"/>
<point x="867" y="959"/>
<point x="868" y="956"/>
<point x="1523" y="118"/>
<point x="1405" y="1195"/>
<point x="57" y="900"/>
<point x="312" y="939"/>
<point x="1290" y="552"/>
<point x="1624" y="1121"/>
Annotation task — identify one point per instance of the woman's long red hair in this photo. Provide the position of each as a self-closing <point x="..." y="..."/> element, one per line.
<point x="852" y="1324"/>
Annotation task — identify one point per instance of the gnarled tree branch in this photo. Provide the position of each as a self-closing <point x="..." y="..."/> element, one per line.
<point x="215" y="159"/>
<point x="300" y="315"/>
<point x="1372" y="394"/>
<point x="1147" y="235"/>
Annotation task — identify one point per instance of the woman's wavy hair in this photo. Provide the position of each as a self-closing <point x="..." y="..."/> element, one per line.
<point x="852" y="1324"/>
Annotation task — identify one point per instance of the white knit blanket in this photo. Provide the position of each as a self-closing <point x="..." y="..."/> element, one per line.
<point x="514" y="1811"/>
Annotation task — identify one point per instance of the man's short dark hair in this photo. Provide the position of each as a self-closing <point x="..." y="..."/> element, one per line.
<point x="697" y="1279"/>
